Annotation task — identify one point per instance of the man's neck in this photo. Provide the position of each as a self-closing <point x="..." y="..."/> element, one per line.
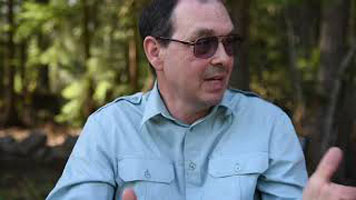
<point x="185" y="114"/>
<point x="182" y="110"/>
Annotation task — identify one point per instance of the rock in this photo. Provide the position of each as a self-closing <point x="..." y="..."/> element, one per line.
<point x="70" y="142"/>
<point x="8" y="145"/>
<point x="34" y="142"/>
<point x="41" y="154"/>
<point x="63" y="151"/>
<point x="34" y="149"/>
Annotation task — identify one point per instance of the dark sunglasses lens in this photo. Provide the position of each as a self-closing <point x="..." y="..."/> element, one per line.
<point x="205" y="47"/>
<point x="231" y="44"/>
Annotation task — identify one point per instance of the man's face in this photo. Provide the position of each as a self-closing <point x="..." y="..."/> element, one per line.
<point x="198" y="81"/>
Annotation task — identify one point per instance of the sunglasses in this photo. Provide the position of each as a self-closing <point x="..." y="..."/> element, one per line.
<point x="206" y="47"/>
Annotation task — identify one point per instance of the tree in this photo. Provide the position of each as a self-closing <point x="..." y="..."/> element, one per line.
<point x="240" y="78"/>
<point x="334" y="60"/>
<point x="133" y="61"/>
<point x="88" y="26"/>
<point x="10" y="113"/>
<point x="2" y="49"/>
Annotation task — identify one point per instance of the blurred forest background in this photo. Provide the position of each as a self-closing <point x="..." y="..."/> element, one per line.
<point x="63" y="59"/>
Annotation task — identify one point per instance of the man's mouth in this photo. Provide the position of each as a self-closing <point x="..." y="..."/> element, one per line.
<point x="215" y="83"/>
<point x="215" y="78"/>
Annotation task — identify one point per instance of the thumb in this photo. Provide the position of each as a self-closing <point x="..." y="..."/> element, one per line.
<point x="129" y="194"/>
<point x="329" y="164"/>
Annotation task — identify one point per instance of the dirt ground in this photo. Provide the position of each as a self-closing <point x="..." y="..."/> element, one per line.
<point x="27" y="182"/>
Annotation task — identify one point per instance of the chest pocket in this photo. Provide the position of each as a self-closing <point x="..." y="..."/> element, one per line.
<point x="150" y="178"/>
<point x="234" y="177"/>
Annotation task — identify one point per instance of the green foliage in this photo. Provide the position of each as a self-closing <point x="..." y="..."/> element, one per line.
<point x="42" y="18"/>
<point x="107" y="66"/>
<point x="309" y="66"/>
<point x="55" y="39"/>
<point x="54" y="36"/>
<point x="70" y="111"/>
<point x="269" y="46"/>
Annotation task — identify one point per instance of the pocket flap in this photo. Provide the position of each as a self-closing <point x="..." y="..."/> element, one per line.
<point x="250" y="163"/>
<point x="137" y="169"/>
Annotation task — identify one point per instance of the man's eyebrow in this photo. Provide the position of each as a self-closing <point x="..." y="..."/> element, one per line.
<point x="202" y="33"/>
<point x="206" y="33"/>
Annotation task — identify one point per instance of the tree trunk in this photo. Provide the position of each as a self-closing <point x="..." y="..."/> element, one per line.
<point x="302" y="20"/>
<point x="86" y="31"/>
<point x="307" y="25"/>
<point x="43" y="79"/>
<point x="2" y="66"/>
<point x="10" y="113"/>
<point x="294" y="74"/>
<point x="346" y="116"/>
<point x="346" y="112"/>
<point x="27" y="114"/>
<point x="133" y="64"/>
<point x="133" y="51"/>
<point x="89" y="104"/>
<point x="240" y="77"/>
<point x="351" y="151"/>
<point x="332" y="66"/>
<point x="43" y="70"/>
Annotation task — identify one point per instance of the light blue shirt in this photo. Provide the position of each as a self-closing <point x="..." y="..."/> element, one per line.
<point x="244" y="147"/>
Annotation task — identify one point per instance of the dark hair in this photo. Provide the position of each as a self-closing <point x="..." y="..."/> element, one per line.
<point x="156" y="21"/>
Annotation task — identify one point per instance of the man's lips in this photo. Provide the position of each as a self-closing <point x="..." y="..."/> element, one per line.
<point x="215" y="83"/>
<point x="215" y="78"/>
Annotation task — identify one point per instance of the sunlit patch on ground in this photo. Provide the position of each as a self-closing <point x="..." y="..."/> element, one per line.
<point x="30" y="180"/>
<point x="56" y="135"/>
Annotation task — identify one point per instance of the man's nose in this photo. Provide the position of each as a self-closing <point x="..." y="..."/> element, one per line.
<point x="221" y="57"/>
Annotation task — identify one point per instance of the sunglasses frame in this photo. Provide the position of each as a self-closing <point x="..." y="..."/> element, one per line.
<point x="235" y="38"/>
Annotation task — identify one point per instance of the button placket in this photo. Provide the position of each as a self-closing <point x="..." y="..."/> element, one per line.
<point x="147" y="174"/>
<point x="237" y="167"/>
<point x="191" y="155"/>
<point x="192" y="166"/>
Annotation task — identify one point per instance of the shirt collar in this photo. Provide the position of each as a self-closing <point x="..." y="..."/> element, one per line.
<point x="156" y="106"/>
<point x="227" y="102"/>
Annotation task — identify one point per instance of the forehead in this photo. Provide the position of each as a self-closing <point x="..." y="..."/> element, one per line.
<point x="194" y="18"/>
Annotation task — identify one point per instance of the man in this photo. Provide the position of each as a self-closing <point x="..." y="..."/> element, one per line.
<point x="191" y="137"/>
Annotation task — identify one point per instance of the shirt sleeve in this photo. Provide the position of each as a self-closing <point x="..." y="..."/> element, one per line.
<point x="90" y="171"/>
<point x="286" y="176"/>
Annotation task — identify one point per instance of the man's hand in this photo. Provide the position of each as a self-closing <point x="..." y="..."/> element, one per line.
<point x="129" y="194"/>
<point x="320" y="187"/>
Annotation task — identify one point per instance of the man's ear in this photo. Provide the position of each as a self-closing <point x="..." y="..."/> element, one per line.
<point x="152" y="49"/>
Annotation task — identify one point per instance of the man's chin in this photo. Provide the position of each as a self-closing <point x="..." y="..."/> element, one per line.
<point x="214" y="99"/>
<point x="215" y="86"/>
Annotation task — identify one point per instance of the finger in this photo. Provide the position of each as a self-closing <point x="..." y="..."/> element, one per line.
<point x="329" y="164"/>
<point x="343" y="192"/>
<point x="129" y="194"/>
<point x="327" y="194"/>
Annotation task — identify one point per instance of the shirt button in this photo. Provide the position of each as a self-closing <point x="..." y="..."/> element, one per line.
<point x="237" y="167"/>
<point x="147" y="174"/>
<point x="192" y="166"/>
